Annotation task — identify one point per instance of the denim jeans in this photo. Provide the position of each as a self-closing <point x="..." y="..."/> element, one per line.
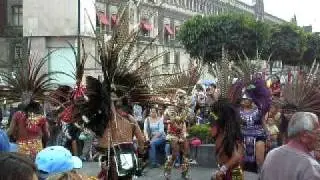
<point x="154" y="147"/>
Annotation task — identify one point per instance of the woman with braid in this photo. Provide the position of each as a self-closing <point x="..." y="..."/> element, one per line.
<point x="229" y="147"/>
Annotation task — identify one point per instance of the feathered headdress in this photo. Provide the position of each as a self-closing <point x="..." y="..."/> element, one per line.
<point x="66" y="96"/>
<point x="31" y="82"/>
<point x="184" y="79"/>
<point x="125" y="75"/>
<point x="247" y="82"/>
<point x="302" y="93"/>
<point x="252" y="84"/>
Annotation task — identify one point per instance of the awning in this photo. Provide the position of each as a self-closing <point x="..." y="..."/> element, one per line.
<point x="103" y="18"/>
<point x="168" y="29"/>
<point x="146" y="26"/>
<point x="114" y="19"/>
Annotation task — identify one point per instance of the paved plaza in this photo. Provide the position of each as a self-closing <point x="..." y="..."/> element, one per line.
<point x="197" y="173"/>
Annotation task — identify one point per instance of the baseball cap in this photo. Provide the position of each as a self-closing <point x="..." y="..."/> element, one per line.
<point x="57" y="159"/>
<point x="5" y="145"/>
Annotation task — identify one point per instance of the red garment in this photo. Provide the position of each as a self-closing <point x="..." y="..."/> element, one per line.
<point x="32" y="126"/>
<point x="275" y="88"/>
<point x="66" y="115"/>
<point x="79" y="92"/>
<point x="123" y="113"/>
<point x="175" y="129"/>
<point x="102" y="175"/>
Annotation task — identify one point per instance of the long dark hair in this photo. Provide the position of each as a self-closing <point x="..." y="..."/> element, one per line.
<point x="33" y="107"/>
<point x="228" y="121"/>
<point x="95" y="107"/>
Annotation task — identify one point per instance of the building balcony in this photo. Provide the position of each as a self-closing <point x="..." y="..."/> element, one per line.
<point x="172" y="43"/>
<point x="13" y="31"/>
<point x="144" y="38"/>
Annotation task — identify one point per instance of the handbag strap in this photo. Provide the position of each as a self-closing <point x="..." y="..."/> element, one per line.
<point x="148" y="126"/>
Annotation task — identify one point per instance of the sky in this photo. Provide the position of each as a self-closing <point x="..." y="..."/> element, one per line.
<point x="307" y="11"/>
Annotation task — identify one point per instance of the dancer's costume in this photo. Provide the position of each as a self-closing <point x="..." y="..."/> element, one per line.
<point x="60" y="99"/>
<point x="177" y="136"/>
<point x="252" y="121"/>
<point x="29" y="86"/>
<point x="226" y="124"/>
<point x="302" y="94"/>
<point x="125" y="78"/>
<point x="251" y="86"/>
<point x="29" y="131"/>
<point x="272" y="124"/>
<point x="180" y="115"/>
<point x="227" y="133"/>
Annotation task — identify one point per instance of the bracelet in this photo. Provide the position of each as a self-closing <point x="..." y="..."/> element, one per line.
<point x="224" y="169"/>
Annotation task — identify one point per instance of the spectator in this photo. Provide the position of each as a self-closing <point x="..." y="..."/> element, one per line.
<point x="16" y="167"/>
<point x="154" y="132"/>
<point x="56" y="159"/>
<point x="294" y="160"/>
<point x="5" y="145"/>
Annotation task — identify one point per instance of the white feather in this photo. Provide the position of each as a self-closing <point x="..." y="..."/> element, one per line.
<point x="85" y="119"/>
<point x="86" y="98"/>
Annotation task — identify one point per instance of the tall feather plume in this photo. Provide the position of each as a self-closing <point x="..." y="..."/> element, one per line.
<point x="302" y="94"/>
<point x="31" y="82"/>
<point x="224" y="75"/>
<point x="62" y="95"/>
<point x="252" y="82"/>
<point x="183" y="79"/>
<point x="124" y="72"/>
<point x="246" y="69"/>
<point x="243" y="72"/>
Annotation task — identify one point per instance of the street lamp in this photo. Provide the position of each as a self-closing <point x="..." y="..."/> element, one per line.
<point x="78" y="35"/>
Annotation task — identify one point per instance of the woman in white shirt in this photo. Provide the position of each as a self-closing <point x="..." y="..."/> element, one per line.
<point x="154" y="132"/>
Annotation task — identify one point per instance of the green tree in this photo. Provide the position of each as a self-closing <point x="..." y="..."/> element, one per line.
<point x="204" y="37"/>
<point x="287" y="43"/>
<point x="312" y="48"/>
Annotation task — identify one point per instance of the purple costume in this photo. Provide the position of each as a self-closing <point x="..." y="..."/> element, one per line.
<point x="252" y="131"/>
<point x="252" y="122"/>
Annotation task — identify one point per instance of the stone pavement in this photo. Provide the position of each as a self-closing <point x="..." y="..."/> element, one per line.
<point x="197" y="173"/>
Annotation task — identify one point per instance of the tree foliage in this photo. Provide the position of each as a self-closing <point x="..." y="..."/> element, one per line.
<point x="312" y="48"/>
<point x="204" y="37"/>
<point x="287" y="43"/>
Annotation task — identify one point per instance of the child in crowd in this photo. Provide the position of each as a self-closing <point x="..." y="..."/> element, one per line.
<point x="55" y="160"/>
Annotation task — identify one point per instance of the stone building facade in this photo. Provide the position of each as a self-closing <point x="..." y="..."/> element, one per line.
<point x="160" y="18"/>
<point x="163" y="18"/>
<point x="11" y="21"/>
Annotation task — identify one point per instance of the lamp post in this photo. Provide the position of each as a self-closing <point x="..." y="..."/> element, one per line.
<point x="78" y="35"/>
